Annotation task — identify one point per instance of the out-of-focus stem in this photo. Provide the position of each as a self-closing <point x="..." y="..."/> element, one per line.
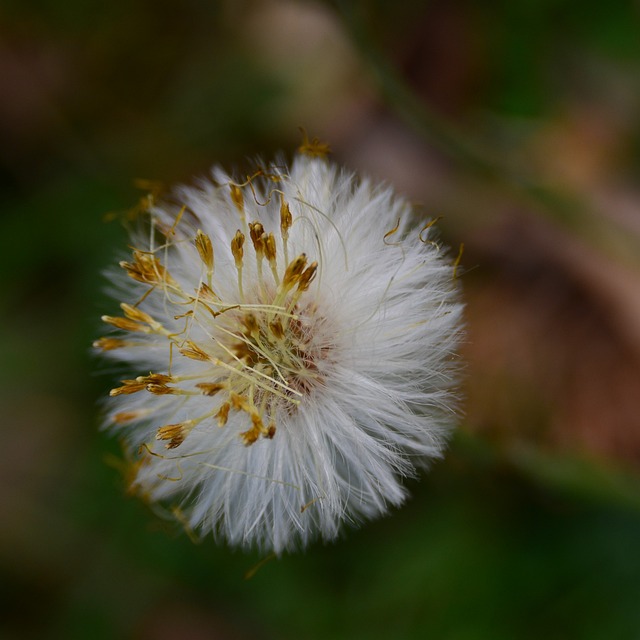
<point x="567" y="210"/>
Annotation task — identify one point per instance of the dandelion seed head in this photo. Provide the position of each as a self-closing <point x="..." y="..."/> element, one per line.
<point x="290" y="346"/>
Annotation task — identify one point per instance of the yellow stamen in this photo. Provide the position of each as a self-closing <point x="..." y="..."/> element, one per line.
<point x="237" y="250"/>
<point x="194" y="352"/>
<point x="211" y="388"/>
<point x="313" y="148"/>
<point x="250" y="322"/>
<point x="270" y="253"/>
<point x="237" y="198"/>
<point x="161" y="389"/>
<point x="133" y="313"/>
<point x="286" y="220"/>
<point x="125" y="324"/>
<point x="223" y="414"/>
<point x="175" y="433"/>
<point x="155" y="378"/>
<point x="146" y="268"/>
<point x="256" y="232"/>
<point x="108" y="344"/>
<point x="277" y="328"/>
<point x="257" y="429"/>
<point x="205" y="292"/>
<point x="270" y="247"/>
<point x="294" y="270"/>
<point x="237" y="244"/>
<point x="128" y="416"/>
<point x="205" y="250"/>
<point x="307" y="277"/>
<point x="238" y="402"/>
<point x="128" y="387"/>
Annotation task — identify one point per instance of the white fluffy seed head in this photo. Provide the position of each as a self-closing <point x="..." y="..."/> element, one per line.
<point x="290" y="341"/>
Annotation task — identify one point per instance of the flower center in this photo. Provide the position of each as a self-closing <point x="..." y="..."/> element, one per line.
<point x="281" y="350"/>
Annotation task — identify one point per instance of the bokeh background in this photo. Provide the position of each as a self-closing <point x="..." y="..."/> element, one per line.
<point x="518" y="122"/>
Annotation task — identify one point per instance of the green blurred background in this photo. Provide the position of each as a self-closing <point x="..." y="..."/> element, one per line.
<point x="518" y="122"/>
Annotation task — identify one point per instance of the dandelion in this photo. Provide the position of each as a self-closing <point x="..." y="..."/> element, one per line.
<point x="290" y="347"/>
